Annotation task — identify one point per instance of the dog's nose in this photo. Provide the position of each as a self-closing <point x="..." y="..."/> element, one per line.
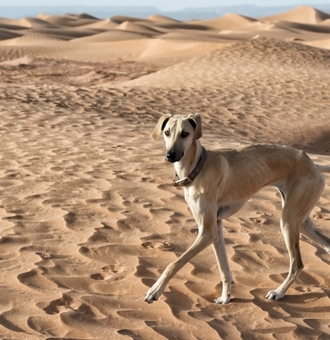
<point x="170" y="156"/>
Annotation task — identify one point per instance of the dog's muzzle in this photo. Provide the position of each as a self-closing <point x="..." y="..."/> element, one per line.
<point x="172" y="157"/>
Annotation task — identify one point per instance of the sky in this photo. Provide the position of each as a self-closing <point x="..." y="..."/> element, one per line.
<point x="165" y="5"/>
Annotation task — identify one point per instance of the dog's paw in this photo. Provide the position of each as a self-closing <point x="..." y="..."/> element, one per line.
<point x="153" y="294"/>
<point x="222" y="300"/>
<point x="274" y="295"/>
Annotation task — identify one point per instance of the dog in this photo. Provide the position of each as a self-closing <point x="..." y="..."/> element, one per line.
<point x="218" y="183"/>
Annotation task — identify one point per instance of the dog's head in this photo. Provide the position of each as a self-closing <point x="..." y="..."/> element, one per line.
<point x="179" y="132"/>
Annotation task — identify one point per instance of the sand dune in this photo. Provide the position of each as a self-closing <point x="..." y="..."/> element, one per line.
<point x="301" y="14"/>
<point x="326" y="22"/>
<point x="163" y="19"/>
<point x="89" y="217"/>
<point x="228" y="22"/>
<point x="112" y="35"/>
<point x="119" y="19"/>
<point x="259" y="56"/>
<point x="36" y="23"/>
<point x="68" y="20"/>
<point x="7" y="34"/>
<point x="320" y="43"/>
<point x="133" y="27"/>
<point x="306" y="27"/>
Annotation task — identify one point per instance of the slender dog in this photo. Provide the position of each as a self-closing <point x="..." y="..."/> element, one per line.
<point x="218" y="183"/>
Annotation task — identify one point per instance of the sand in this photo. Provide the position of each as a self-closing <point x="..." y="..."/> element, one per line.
<point x="89" y="217"/>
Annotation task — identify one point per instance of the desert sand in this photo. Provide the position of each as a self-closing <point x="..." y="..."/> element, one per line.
<point x="89" y="216"/>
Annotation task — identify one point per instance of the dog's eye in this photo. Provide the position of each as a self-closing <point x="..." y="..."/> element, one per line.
<point x="167" y="133"/>
<point x="184" y="134"/>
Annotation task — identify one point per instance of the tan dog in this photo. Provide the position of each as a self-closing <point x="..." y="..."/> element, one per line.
<point x="218" y="183"/>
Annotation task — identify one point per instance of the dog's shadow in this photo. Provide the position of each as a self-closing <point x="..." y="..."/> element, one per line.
<point x="308" y="306"/>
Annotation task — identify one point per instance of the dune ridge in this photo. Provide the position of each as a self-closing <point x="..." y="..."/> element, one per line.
<point x="88" y="214"/>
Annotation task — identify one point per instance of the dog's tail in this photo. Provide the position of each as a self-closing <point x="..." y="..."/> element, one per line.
<point x="324" y="168"/>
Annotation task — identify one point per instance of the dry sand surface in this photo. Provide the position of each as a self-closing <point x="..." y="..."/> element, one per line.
<point x="89" y="218"/>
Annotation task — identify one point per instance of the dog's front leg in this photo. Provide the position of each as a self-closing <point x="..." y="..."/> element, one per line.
<point x="222" y="260"/>
<point x="203" y="240"/>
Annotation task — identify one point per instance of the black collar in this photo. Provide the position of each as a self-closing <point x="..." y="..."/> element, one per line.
<point x="188" y="180"/>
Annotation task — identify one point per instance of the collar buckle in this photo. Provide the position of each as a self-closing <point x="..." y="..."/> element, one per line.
<point x="182" y="182"/>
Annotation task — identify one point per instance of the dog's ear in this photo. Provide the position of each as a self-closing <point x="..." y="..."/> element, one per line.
<point x="160" y="126"/>
<point x="196" y="121"/>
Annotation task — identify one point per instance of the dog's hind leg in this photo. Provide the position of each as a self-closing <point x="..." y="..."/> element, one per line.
<point x="309" y="230"/>
<point x="222" y="260"/>
<point x="299" y="196"/>
<point x="290" y="230"/>
<point x="298" y="200"/>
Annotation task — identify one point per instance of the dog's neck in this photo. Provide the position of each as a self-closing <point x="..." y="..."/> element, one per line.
<point x="189" y="160"/>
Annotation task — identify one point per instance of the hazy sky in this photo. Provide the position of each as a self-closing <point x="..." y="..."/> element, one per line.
<point x="165" y="5"/>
